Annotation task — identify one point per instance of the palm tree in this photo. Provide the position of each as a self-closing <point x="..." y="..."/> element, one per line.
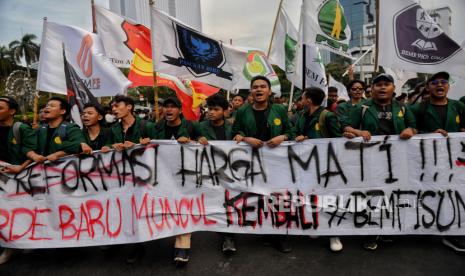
<point x="25" y="48"/>
<point x="6" y="61"/>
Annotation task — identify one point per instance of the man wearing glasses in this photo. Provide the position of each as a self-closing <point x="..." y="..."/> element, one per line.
<point x="441" y="115"/>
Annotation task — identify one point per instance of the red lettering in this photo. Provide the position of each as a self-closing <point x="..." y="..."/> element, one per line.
<point x="35" y="224"/>
<point x="184" y="202"/>
<point x="83" y="217"/>
<point x="4" y="213"/>
<point x="118" y="230"/>
<point x="68" y="223"/>
<point x="196" y="219"/>
<point x="95" y="204"/>
<point x="138" y="214"/>
<point x="14" y="214"/>
<point x="206" y="221"/>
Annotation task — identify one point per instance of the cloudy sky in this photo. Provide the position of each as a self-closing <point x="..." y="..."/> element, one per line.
<point x="246" y="22"/>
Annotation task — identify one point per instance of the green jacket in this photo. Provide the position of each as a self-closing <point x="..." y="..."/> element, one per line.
<point x="429" y="121"/>
<point x="343" y="111"/>
<point x="28" y="142"/>
<point x="277" y="120"/>
<point x="187" y="129"/>
<point x="402" y="117"/>
<point x="205" y="129"/>
<point x="314" y="131"/>
<point x="67" y="137"/>
<point x="116" y="132"/>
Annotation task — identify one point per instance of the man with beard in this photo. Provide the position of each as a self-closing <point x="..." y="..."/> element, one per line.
<point x="95" y="134"/>
<point x="58" y="138"/>
<point x="380" y="115"/>
<point x="263" y="123"/>
<point x="441" y="115"/>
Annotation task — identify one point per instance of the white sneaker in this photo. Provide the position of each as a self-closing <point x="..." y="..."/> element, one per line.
<point x="335" y="244"/>
<point x="6" y="255"/>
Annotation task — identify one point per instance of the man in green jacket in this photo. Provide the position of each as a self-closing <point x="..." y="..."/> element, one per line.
<point x="316" y="122"/>
<point x="262" y="122"/>
<point x="381" y="115"/>
<point x="58" y="138"/>
<point x="441" y="115"/>
<point x="355" y="89"/>
<point x="18" y="143"/>
<point x="130" y="130"/>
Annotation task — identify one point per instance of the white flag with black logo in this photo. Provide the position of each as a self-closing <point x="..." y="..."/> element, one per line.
<point x="181" y="51"/>
<point x="84" y="52"/>
<point x="409" y="39"/>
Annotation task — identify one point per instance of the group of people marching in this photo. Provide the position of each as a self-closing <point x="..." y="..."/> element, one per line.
<point x="257" y="121"/>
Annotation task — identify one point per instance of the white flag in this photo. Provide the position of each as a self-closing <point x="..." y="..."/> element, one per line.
<point x="84" y="51"/>
<point x="258" y="64"/>
<point x="325" y="26"/>
<point x="284" y="44"/>
<point x="341" y="88"/>
<point x="400" y="77"/>
<point x="456" y="90"/>
<point x="315" y="74"/>
<point x="409" y="39"/>
<point x="181" y="51"/>
<point x="115" y="32"/>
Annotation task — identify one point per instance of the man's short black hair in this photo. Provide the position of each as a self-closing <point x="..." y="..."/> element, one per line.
<point x="97" y="107"/>
<point x="125" y="99"/>
<point x="217" y="100"/>
<point x="12" y="103"/>
<point x="315" y="94"/>
<point x="64" y="104"/>
<point x="352" y="82"/>
<point x="259" y="77"/>
<point x="332" y="89"/>
<point x="239" y="95"/>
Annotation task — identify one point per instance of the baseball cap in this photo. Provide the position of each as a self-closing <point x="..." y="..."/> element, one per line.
<point x="12" y="103"/>
<point x="172" y="100"/>
<point x="441" y="74"/>
<point x="383" y="77"/>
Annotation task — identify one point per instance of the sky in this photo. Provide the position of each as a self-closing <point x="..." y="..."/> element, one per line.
<point x="248" y="23"/>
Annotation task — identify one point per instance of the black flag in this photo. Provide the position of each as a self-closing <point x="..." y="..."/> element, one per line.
<point x="78" y="93"/>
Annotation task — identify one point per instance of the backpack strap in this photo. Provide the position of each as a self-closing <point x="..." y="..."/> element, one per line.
<point x="16" y="132"/>
<point x="62" y="130"/>
<point x="322" y="123"/>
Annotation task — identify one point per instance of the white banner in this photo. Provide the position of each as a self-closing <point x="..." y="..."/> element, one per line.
<point x="324" y="25"/>
<point x="341" y="88"/>
<point x="315" y="73"/>
<point x="319" y="187"/>
<point x="181" y="51"/>
<point x="84" y="51"/>
<point x="409" y="39"/>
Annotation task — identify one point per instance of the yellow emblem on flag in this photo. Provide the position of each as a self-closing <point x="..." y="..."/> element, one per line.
<point x="400" y="114"/>
<point x="57" y="140"/>
<point x="13" y="141"/>
<point x="457" y="119"/>
<point x="142" y="64"/>
<point x="317" y="126"/>
<point x="277" y="122"/>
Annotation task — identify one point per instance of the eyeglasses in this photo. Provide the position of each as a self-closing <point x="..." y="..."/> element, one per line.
<point x="436" y="82"/>
<point x="356" y="89"/>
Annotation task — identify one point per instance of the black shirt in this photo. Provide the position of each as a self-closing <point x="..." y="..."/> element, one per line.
<point x="307" y="126"/>
<point x="171" y="132"/>
<point x="441" y="110"/>
<point x="220" y="132"/>
<point x="4" y="131"/>
<point x="261" y="121"/>
<point x="50" y="132"/>
<point x="386" y="125"/>
<point x="99" y="141"/>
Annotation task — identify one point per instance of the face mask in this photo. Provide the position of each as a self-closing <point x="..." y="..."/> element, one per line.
<point x="109" y="118"/>
<point x="142" y="115"/>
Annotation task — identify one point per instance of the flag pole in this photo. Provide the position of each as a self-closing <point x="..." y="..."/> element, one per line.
<point x="291" y="96"/>
<point x="274" y="28"/>
<point x="155" y="85"/>
<point x="35" y="108"/>
<point x="304" y="65"/>
<point x="94" y="24"/>
<point x="377" y="36"/>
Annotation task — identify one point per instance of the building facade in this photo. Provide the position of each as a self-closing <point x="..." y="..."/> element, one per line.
<point x="187" y="11"/>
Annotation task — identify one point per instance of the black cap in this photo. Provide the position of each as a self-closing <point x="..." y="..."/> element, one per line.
<point x="383" y="77"/>
<point x="12" y="103"/>
<point x="441" y="74"/>
<point x="172" y="100"/>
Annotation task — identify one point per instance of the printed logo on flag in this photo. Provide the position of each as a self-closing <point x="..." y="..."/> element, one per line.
<point x="333" y="24"/>
<point x="257" y="65"/>
<point x="84" y="56"/>
<point x="201" y="55"/>
<point x="419" y="39"/>
<point x="290" y="46"/>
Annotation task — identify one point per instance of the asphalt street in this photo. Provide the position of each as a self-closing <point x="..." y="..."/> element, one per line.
<point x="407" y="255"/>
